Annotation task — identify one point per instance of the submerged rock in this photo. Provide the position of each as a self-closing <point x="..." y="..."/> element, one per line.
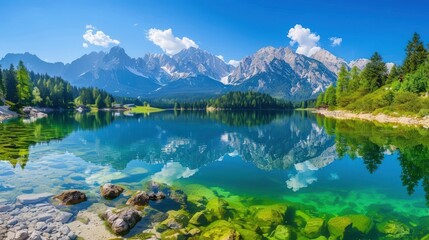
<point x="174" y="234"/>
<point x="361" y="223"/>
<point x="121" y="221"/>
<point x="220" y="229"/>
<point x="33" y="198"/>
<point x="140" y="198"/>
<point x="71" y="197"/>
<point x="199" y="219"/>
<point x="338" y="226"/>
<point x="247" y="234"/>
<point x="176" y="219"/>
<point x="314" y="227"/>
<point x="156" y="196"/>
<point x="217" y="208"/>
<point x="282" y="233"/>
<point x="110" y="191"/>
<point x="393" y="229"/>
<point x="268" y="217"/>
<point x="179" y="197"/>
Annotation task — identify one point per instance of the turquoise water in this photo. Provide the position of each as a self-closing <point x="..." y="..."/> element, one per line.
<point x="323" y="166"/>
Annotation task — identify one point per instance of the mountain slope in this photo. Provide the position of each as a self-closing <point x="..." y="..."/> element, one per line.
<point x="331" y="62"/>
<point x="279" y="72"/>
<point x="282" y="73"/>
<point x="33" y="63"/>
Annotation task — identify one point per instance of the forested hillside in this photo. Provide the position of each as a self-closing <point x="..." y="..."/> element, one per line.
<point x="19" y="87"/>
<point x="402" y="91"/>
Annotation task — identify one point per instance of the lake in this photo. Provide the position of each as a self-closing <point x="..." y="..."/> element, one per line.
<point x="315" y="166"/>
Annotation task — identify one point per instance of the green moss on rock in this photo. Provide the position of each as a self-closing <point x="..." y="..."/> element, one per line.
<point x="314" y="227"/>
<point x="393" y="229"/>
<point x="199" y="219"/>
<point x="268" y="217"/>
<point x="217" y="208"/>
<point x="282" y="233"/>
<point x="220" y="229"/>
<point x="338" y="226"/>
<point x="361" y="223"/>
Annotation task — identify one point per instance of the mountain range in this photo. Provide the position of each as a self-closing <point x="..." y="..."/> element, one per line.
<point x="194" y="72"/>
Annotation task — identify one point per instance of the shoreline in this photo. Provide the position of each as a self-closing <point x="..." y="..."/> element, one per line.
<point x="381" y="118"/>
<point x="6" y="114"/>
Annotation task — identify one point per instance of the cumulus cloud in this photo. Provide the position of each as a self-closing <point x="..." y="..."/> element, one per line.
<point x="303" y="177"/>
<point x="169" y="43"/>
<point x="234" y="63"/>
<point x="335" y="41"/>
<point x="172" y="171"/>
<point x="308" y="42"/>
<point x="96" y="37"/>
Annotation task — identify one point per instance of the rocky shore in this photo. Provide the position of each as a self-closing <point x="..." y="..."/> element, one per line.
<point x="5" y="113"/>
<point x="382" y="118"/>
<point x="33" y="217"/>
<point x="160" y="211"/>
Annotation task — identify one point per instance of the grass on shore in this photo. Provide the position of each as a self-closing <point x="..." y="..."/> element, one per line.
<point x="145" y="109"/>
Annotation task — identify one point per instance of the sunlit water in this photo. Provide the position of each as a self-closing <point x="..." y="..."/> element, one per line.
<point x="324" y="166"/>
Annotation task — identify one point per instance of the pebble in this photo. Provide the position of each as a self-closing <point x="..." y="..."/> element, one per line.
<point x="21" y="235"/>
<point x="33" y="198"/>
<point x="5" y="208"/>
<point x="35" y="236"/>
<point x="63" y="217"/>
<point x="12" y="222"/>
<point x="41" y="221"/>
<point x="44" y="217"/>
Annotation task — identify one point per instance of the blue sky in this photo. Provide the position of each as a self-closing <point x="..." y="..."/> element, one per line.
<point x="54" y="30"/>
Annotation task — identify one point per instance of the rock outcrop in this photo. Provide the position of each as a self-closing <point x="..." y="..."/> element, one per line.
<point x="121" y="221"/>
<point x="71" y="197"/>
<point x="110" y="191"/>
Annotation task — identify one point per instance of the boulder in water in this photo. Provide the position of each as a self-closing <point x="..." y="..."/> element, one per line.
<point x="110" y="191"/>
<point x="71" y="197"/>
<point x="121" y="221"/>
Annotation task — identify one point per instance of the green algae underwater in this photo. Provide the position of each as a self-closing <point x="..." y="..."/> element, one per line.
<point x="245" y="175"/>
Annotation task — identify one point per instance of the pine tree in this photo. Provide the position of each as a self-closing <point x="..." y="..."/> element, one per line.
<point x="2" y="89"/>
<point x="320" y="102"/>
<point x="36" y="96"/>
<point x="10" y="85"/>
<point x="108" y="101"/>
<point x="330" y="96"/>
<point x="393" y="75"/>
<point x="355" y="79"/>
<point x="374" y="74"/>
<point x="23" y="84"/>
<point x="416" y="54"/>
<point x="99" y="102"/>
<point x="343" y="81"/>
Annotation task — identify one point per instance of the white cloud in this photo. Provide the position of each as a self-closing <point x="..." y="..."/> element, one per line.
<point x="234" y="63"/>
<point x="97" y="38"/>
<point x="303" y="177"/>
<point x="308" y="42"/>
<point x="335" y="41"/>
<point x="166" y="40"/>
<point x="135" y="24"/>
<point x="172" y="171"/>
